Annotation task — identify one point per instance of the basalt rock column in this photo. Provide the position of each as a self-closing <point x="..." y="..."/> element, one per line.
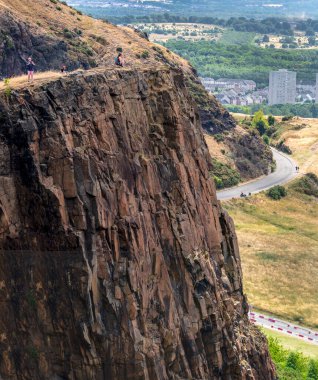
<point x="117" y="261"/>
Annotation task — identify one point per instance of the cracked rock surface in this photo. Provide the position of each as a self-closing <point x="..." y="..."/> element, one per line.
<point x="117" y="262"/>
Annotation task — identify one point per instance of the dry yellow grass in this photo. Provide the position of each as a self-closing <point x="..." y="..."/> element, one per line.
<point x="22" y="81"/>
<point x="179" y="31"/>
<point x="300" y="39"/>
<point x="279" y="250"/>
<point x="279" y="239"/>
<point x="43" y="16"/>
<point x="301" y="135"/>
<point x="45" y="77"/>
<point x="218" y="150"/>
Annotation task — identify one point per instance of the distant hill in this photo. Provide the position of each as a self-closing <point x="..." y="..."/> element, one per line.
<point x="226" y="8"/>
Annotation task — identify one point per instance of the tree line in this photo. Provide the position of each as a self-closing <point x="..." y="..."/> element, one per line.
<point x="218" y="60"/>
<point x="268" y="25"/>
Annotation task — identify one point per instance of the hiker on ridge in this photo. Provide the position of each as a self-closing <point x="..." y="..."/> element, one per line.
<point x="119" y="60"/>
<point x="30" y="68"/>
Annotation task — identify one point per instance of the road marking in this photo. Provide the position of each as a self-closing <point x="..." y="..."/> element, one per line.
<point x="284" y="327"/>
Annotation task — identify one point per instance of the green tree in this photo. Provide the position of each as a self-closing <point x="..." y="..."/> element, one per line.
<point x="266" y="38"/>
<point x="278" y="192"/>
<point x="312" y="370"/>
<point x="312" y="41"/>
<point x="259" y="122"/>
<point x="295" y="360"/>
<point x="266" y="139"/>
<point x="271" y="120"/>
<point x="310" y="32"/>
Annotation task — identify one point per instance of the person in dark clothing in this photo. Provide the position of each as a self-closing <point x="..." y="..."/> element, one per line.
<point x="30" y="68"/>
<point x="119" y="60"/>
<point x="63" y="69"/>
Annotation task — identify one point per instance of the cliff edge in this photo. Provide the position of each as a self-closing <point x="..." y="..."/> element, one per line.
<point x="116" y="259"/>
<point x="56" y="34"/>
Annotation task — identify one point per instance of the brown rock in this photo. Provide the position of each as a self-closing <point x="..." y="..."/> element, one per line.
<point x="138" y="265"/>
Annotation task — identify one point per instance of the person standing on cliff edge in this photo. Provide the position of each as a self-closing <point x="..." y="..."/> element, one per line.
<point x="30" y="69"/>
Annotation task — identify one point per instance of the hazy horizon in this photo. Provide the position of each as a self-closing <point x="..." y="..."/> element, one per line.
<point x="216" y="8"/>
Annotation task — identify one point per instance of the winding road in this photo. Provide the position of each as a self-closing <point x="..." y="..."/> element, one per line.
<point x="285" y="171"/>
<point x="296" y="331"/>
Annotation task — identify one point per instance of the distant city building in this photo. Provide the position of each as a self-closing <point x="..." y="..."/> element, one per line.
<point x="242" y="92"/>
<point x="282" y="87"/>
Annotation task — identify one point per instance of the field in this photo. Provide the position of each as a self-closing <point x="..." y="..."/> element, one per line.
<point x="231" y="37"/>
<point x="163" y="32"/>
<point x="298" y="41"/>
<point x="279" y="239"/>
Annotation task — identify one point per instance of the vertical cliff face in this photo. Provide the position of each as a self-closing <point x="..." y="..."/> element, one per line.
<point x="116" y="260"/>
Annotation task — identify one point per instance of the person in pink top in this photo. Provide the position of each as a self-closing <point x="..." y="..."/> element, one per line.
<point x="30" y="69"/>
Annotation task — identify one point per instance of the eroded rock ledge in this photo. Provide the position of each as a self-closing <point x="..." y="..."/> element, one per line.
<point x="116" y="261"/>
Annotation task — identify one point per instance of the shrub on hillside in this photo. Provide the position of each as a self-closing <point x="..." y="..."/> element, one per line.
<point x="145" y="54"/>
<point x="224" y="175"/>
<point x="292" y="365"/>
<point x="271" y="130"/>
<point x="266" y="139"/>
<point x="218" y="137"/>
<point x="67" y="33"/>
<point x="271" y="120"/>
<point x="281" y="146"/>
<point x="308" y="185"/>
<point x="259" y="122"/>
<point x="277" y="192"/>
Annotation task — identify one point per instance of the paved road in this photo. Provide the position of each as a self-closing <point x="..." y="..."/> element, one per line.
<point x="285" y="171"/>
<point x="308" y="335"/>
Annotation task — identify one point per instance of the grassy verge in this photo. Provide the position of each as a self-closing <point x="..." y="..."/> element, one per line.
<point x="279" y="239"/>
<point x="291" y="364"/>
<point x="279" y="249"/>
<point x="293" y="344"/>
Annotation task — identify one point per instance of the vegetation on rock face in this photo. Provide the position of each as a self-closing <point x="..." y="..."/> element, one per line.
<point x="224" y="175"/>
<point x="277" y="192"/>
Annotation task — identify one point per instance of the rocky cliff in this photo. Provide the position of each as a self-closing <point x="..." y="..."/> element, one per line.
<point x="116" y="259"/>
<point x="55" y="34"/>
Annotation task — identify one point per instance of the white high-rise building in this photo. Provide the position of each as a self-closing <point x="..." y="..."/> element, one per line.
<point x="282" y="87"/>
